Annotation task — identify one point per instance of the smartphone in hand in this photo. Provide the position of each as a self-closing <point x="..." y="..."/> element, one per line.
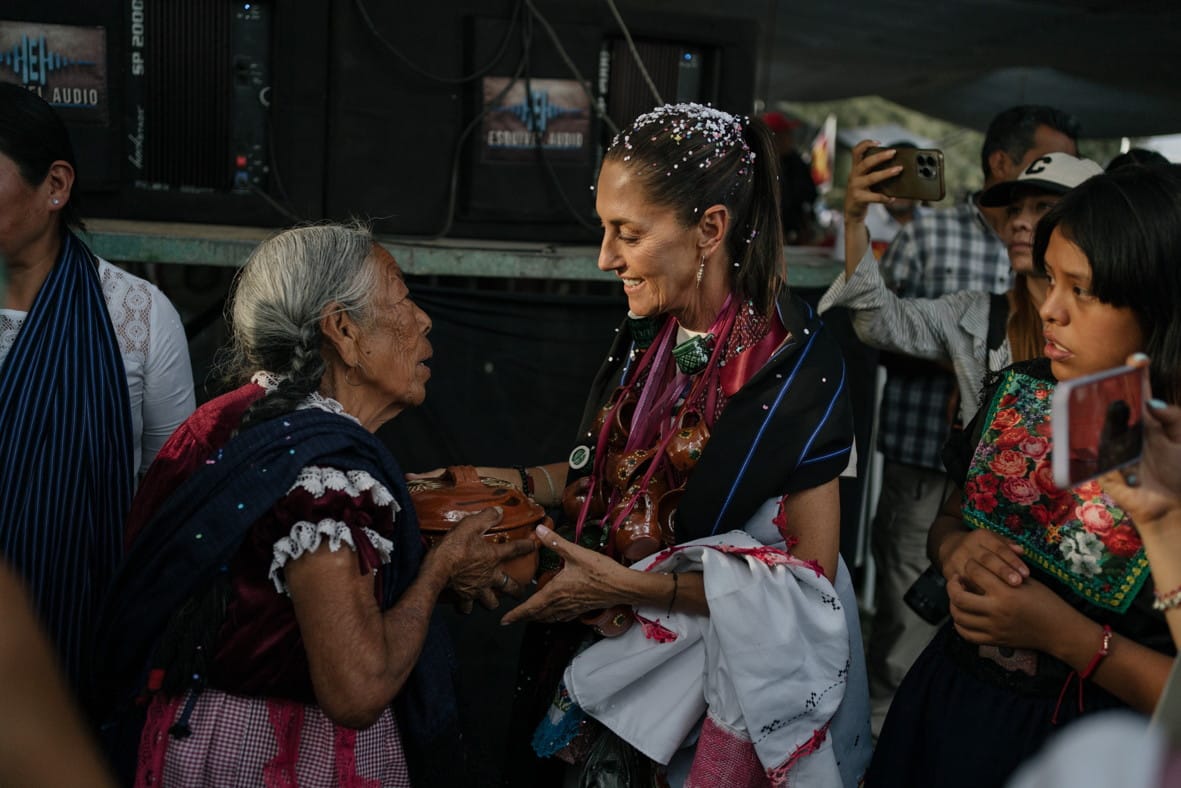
<point x="921" y="177"/>
<point x="1098" y="424"/>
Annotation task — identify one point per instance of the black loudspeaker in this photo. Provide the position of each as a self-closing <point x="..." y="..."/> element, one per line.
<point x="471" y="122"/>
<point x="535" y="145"/>
<point x="212" y="111"/>
<point x="463" y="119"/>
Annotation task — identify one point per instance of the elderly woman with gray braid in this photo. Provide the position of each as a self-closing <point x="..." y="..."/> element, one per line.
<point x="275" y="613"/>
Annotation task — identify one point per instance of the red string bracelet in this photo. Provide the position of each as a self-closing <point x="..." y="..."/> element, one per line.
<point x="1084" y="674"/>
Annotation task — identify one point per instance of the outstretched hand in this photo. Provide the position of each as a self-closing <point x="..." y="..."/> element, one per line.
<point x="588" y="581"/>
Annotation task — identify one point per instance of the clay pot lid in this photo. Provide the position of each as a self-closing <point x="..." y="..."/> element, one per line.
<point x="443" y="501"/>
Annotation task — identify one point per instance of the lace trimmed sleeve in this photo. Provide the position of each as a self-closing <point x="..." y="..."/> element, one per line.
<point x="341" y="508"/>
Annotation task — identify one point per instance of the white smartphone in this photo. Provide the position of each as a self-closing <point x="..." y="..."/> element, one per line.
<point x="1098" y="424"/>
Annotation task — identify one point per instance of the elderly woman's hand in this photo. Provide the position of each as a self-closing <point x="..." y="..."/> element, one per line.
<point x="588" y="581"/>
<point x="474" y="563"/>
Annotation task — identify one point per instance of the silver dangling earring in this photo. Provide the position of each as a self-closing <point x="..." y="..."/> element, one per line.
<point x="701" y="271"/>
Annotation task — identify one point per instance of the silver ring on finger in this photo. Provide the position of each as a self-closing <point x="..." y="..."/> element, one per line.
<point x="504" y="578"/>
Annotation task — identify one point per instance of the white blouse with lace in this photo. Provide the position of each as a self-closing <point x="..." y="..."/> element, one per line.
<point x="155" y="354"/>
<point x="306" y="536"/>
<point x="321" y="482"/>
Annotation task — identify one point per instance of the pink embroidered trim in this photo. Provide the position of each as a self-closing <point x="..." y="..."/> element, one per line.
<point x="153" y="742"/>
<point x="768" y="555"/>
<point x="286" y="723"/>
<point x="654" y="630"/>
<point x="778" y="775"/>
<point x="345" y="749"/>
<point x="780" y="522"/>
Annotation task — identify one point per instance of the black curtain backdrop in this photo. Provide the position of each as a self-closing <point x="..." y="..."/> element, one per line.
<point x="510" y="371"/>
<point x="513" y="362"/>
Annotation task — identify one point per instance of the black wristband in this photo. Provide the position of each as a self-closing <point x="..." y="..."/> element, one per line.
<point x="526" y="482"/>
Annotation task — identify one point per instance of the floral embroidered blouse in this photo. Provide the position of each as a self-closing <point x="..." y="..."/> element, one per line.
<point x="1077" y="541"/>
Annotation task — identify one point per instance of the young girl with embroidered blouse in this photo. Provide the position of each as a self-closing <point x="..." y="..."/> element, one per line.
<point x="1051" y="608"/>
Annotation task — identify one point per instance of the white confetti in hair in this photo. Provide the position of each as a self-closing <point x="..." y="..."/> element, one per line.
<point x="692" y="124"/>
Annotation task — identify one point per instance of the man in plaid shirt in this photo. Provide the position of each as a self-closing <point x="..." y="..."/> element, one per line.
<point x="940" y="252"/>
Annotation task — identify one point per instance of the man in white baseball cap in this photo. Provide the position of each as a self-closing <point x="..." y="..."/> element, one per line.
<point x="1036" y="189"/>
<point x="1053" y="173"/>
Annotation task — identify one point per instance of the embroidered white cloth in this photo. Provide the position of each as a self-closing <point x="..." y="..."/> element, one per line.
<point x="769" y="665"/>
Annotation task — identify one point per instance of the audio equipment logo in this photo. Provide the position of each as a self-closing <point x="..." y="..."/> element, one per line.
<point x="66" y="65"/>
<point x="553" y="116"/>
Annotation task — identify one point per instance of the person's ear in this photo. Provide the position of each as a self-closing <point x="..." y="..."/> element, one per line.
<point x="712" y="228"/>
<point x="1002" y="167"/>
<point x="341" y="333"/>
<point x="60" y="183"/>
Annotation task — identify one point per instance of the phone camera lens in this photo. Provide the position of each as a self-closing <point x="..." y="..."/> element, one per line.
<point x="925" y="172"/>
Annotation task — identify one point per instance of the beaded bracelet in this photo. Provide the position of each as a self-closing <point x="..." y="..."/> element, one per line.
<point x="1168" y="600"/>
<point x="526" y="482"/>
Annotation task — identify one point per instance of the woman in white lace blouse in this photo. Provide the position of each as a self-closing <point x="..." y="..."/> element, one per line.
<point x="94" y="376"/>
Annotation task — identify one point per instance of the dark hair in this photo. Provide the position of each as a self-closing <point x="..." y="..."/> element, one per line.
<point x="1142" y="156"/>
<point x="1012" y="131"/>
<point x="1025" y="323"/>
<point x="34" y="137"/>
<point x="1128" y="224"/>
<point x="688" y="169"/>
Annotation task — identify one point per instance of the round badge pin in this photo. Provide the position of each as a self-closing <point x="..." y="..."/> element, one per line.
<point x="580" y="457"/>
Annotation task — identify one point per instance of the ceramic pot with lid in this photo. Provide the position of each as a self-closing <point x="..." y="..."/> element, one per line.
<point x="443" y="501"/>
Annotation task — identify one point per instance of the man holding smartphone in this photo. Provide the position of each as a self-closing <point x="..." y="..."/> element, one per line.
<point x="940" y="252"/>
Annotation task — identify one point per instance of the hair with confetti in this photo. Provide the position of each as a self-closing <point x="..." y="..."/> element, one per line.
<point x="692" y="156"/>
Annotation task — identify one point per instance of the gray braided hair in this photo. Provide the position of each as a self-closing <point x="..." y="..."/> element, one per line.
<point x="279" y="298"/>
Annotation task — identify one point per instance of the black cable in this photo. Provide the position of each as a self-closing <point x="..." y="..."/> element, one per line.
<point x="570" y="64"/>
<point x="278" y="206"/>
<point x="435" y="77"/>
<point x="527" y="46"/>
<point x="282" y="204"/>
<point x="631" y="45"/>
<point x="453" y="192"/>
